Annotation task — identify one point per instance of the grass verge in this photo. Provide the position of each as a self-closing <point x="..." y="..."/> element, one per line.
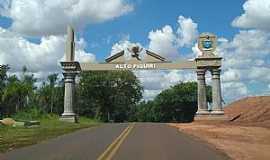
<point x="16" y="137"/>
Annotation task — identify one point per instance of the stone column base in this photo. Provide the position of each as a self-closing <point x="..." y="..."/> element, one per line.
<point x="202" y="112"/>
<point x="69" y="118"/>
<point x="211" y="117"/>
<point x="217" y="112"/>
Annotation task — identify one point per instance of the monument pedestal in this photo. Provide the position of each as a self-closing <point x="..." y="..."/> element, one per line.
<point x="202" y="112"/>
<point x="69" y="118"/>
<point x="212" y="116"/>
<point x="217" y="112"/>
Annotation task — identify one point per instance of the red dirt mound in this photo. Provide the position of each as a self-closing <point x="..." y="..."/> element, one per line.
<point x="252" y="110"/>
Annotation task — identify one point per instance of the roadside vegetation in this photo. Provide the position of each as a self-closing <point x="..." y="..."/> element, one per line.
<point x="176" y="104"/>
<point x="104" y="96"/>
<point x="50" y="127"/>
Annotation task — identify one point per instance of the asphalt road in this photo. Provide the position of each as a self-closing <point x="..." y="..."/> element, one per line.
<point x="86" y="144"/>
<point x="150" y="141"/>
<point x="145" y="141"/>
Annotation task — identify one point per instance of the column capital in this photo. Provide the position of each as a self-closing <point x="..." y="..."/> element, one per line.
<point x="215" y="70"/>
<point x="201" y="70"/>
<point x="70" y="73"/>
<point x="215" y="73"/>
<point x="201" y="74"/>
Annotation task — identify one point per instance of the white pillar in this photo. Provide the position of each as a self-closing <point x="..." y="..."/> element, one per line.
<point x="69" y="114"/>
<point x="202" y="101"/>
<point x="216" y="92"/>
<point x="70" y="72"/>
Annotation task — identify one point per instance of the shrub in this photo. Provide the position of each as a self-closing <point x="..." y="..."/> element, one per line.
<point x="32" y="113"/>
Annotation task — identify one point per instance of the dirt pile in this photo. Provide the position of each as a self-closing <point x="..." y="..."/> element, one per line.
<point x="250" y="110"/>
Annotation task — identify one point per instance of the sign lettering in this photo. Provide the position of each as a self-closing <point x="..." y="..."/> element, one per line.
<point x="136" y="66"/>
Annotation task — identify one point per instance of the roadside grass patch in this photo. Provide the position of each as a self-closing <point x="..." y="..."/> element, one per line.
<point x="50" y="127"/>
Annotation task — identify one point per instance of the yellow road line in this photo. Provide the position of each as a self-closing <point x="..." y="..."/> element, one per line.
<point x="113" y="148"/>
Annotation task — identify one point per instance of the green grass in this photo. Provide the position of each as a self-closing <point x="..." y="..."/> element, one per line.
<point x="15" y="137"/>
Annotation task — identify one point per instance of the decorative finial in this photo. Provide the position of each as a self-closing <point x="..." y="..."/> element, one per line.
<point x="70" y="33"/>
<point x="70" y="45"/>
<point x="135" y="50"/>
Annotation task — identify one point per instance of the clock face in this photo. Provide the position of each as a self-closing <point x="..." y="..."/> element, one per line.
<point x="207" y="44"/>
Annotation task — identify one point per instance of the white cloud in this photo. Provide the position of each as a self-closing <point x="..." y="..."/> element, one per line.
<point x="167" y="43"/>
<point x="38" y="58"/>
<point x="247" y="49"/>
<point x="246" y="60"/>
<point x="234" y="90"/>
<point x="231" y="75"/>
<point x="256" y="15"/>
<point x="50" y="17"/>
<point x="196" y="51"/>
<point x="155" y="81"/>
<point x="150" y="94"/>
<point x="164" y="42"/>
<point x="187" y="31"/>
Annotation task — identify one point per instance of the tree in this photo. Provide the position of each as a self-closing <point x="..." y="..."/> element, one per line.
<point x="50" y="95"/>
<point x="52" y="82"/>
<point x="145" y="112"/>
<point x="28" y="81"/>
<point x="178" y="103"/>
<point x="108" y="94"/>
<point x="3" y="81"/>
<point x="14" y="95"/>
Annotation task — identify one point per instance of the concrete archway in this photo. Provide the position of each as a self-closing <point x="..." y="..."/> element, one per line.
<point x="151" y="61"/>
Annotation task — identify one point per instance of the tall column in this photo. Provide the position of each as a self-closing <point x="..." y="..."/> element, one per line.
<point x="70" y="70"/>
<point x="216" y="92"/>
<point x="202" y="102"/>
<point x="69" y="115"/>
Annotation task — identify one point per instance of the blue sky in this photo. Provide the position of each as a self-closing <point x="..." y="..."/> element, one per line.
<point x="34" y="31"/>
<point x="152" y="14"/>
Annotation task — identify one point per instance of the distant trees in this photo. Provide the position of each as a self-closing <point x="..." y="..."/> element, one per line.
<point x="104" y="95"/>
<point x="3" y="79"/>
<point x="178" y="103"/>
<point x="101" y="95"/>
<point x="50" y="95"/>
<point x="16" y="93"/>
<point x="20" y="93"/>
<point x="108" y="95"/>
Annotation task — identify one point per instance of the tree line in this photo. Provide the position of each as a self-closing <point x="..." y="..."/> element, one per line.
<point x="102" y="95"/>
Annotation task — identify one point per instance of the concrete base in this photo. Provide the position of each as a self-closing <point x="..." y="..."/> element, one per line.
<point x="210" y="117"/>
<point x="217" y="112"/>
<point x="202" y="112"/>
<point x="69" y="118"/>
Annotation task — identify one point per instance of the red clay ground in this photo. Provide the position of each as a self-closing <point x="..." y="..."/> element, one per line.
<point x="246" y="138"/>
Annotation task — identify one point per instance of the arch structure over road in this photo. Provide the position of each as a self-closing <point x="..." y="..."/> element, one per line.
<point x="137" y="58"/>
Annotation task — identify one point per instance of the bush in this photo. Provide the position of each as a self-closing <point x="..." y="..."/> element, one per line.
<point x="32" y="113"/>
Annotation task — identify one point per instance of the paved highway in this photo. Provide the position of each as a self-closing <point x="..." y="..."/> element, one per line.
<point x="140" y="141"/>
<point x="149" y="141"/>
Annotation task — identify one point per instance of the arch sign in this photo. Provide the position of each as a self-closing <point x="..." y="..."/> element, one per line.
<point x="137" y="58"/>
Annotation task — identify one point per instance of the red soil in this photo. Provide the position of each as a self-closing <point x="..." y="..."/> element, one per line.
<point x="252" y="111"/>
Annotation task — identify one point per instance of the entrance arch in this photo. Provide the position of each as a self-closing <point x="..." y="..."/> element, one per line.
<point x="139" y="59"/>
